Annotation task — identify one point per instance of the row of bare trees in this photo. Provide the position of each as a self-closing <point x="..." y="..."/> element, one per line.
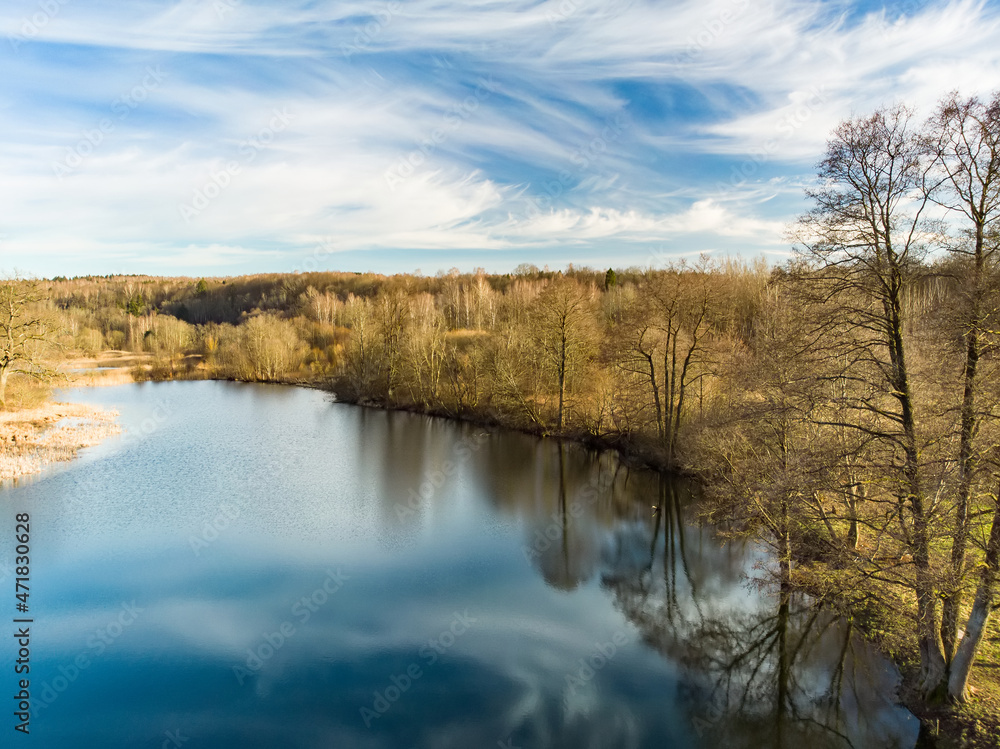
<point x="632" y="362"/>
<point x="867" y="434"/>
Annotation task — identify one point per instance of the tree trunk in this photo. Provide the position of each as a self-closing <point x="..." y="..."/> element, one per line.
<point x="966" y="467"/>
<point x="656" y="393"/>
<point x="4" y="374"/>
<point x="562" y="377"/>
<point x="784" y="661"/>
<point x="975" y="628"/>
<point x="856" y="492"/>
<point x="932" y="659"/>
<point x="670" y="392"/>
<point x="966" y="454"/>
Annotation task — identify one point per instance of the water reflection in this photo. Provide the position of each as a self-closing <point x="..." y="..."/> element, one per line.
<point x="762" y="669"/>
<point x="597" y="614"/>
<point x="761" y="666"/>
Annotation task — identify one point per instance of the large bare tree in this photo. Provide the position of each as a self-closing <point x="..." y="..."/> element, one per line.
<point x="864" y="241"/>
<point x="963" y="138"/>
<point x="660" y="343"/>
<point x="25" y="332"/>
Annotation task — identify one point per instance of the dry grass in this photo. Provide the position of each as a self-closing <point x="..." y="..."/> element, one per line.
<point x="35" y="432"/>
<point x="100" y="378"/>
<point x="980" y="718"/>
<point x="108" y="368"/>
<point x="31" y="438"/>
<point x="24" y="392"/>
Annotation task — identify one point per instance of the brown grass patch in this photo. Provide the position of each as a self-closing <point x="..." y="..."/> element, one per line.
<point x="105" y="369"/>
<point x="34" y="437"/>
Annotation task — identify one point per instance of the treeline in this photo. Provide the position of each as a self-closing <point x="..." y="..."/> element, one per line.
<point x="625" y="356"/>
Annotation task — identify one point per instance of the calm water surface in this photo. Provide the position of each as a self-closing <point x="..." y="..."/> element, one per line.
<point x="255" y="566"/>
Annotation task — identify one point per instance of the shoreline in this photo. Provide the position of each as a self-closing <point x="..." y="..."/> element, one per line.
<point x="34" y="438"/>
<point x="629" y="453"/>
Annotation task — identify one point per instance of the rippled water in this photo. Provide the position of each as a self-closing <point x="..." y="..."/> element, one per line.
<point x="255" y="566"/>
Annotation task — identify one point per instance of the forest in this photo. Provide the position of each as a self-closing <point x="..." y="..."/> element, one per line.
<point x="841" y="406"/>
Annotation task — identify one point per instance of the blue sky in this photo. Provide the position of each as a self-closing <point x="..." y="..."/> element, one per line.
<point x="219" y="137"/>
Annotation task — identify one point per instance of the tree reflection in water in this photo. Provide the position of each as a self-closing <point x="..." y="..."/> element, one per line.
<point x="764" y="669"/>
<point x="760" y="665"/>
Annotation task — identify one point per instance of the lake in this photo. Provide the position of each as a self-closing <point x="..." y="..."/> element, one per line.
<point x="257" y="566"/>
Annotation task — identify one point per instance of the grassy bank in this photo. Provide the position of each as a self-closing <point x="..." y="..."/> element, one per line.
<point x="35" y="437"/>
<point x="36" y="431"/>
<point x="973" y="725"/>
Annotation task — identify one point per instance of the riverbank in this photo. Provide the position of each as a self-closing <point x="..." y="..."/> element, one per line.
<point x="974" y="725"/>
<point x="33" y="438"/>
<point x="103" y="370"/>
<point x="631" y="453"/>
<point x="37" y="431"/>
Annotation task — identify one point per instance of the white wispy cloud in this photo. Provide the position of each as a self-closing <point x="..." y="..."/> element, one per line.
<point x="546" y="128"/>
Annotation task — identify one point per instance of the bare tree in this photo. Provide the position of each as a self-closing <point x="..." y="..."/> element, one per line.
<point x="660" y="342"/>
<point x="964" y="140"/>
<point x="863" y="243"/>
<point x="564" y="332"/>
<point x="392" y="315"/>
<point x="424" y="350"/>
<point x="682" y="318"/>
<point x="361" y="357"/>
<point x="25" y="332"/>
<point x="982" y="607"/>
